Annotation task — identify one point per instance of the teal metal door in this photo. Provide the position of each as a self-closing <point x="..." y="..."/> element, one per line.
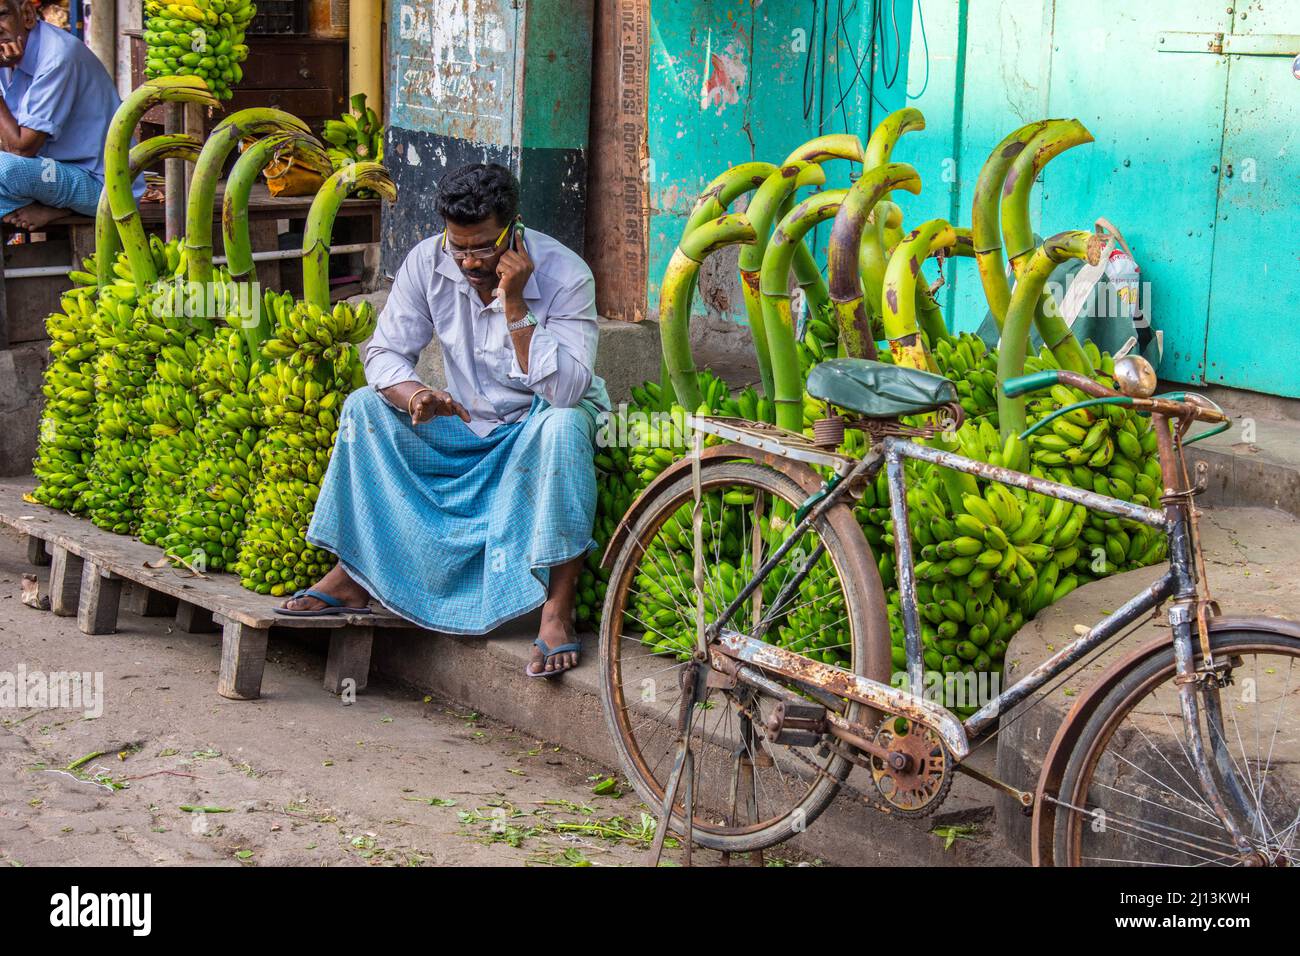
<point x="1253" y="339"/>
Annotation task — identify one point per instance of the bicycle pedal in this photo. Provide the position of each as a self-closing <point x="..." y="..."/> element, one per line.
<point x="797" y="724"/>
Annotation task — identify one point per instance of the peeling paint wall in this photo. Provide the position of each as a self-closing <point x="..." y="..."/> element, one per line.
<point x="503" y="81"/>
<point x="732" y="81"/>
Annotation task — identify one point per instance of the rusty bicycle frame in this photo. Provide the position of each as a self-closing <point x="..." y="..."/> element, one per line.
<point x="748" y="659"/>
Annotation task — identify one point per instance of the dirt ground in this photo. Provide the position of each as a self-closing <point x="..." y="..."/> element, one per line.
<point x="302" y="779"/>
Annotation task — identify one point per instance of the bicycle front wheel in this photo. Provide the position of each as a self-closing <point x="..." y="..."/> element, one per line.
<point x="749" y="793"/>
<point x="1131" y="795"/>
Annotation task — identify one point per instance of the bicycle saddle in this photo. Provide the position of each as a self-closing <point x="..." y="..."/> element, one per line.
<point x="877" y="390"/>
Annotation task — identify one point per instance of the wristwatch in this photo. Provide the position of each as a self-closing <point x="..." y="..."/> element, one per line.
<point x="520" y="324"/>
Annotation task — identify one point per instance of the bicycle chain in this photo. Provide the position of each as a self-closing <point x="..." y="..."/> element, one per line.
<point x="820" y="771"/>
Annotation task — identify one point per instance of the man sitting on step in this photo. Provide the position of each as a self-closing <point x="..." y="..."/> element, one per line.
<point x="57" y="101"/>
<point x="464" y="508"/>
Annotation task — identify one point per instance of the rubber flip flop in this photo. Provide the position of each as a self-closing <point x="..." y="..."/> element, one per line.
<point x="548" y="653"/>
<point x="333" y="606"/>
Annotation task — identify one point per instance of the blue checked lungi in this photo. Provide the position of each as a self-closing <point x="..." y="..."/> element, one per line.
<point x="28" y="179"/>
<point x="454" y="532"/>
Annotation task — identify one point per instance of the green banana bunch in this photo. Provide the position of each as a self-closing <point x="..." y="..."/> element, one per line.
<point x="203" y="38"/>
<point x="66" y="441"/>
<point x="311" y="365"/>
<point x="356" y="135"/>
<point x="129" y="329"/>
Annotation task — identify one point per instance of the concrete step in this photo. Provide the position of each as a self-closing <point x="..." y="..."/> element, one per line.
<point x="487" y="674"/>
<point x="1255" y="463"/>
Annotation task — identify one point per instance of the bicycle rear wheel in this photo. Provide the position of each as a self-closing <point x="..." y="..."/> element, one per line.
<point x="1130" y="795"/>
<point x="749" y="792"/>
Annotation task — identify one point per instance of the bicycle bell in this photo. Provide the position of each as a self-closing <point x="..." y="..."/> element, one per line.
<point x="1135" y="377"/>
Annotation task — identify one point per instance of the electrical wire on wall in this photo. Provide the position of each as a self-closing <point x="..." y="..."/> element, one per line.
<point x="925" y="43"/>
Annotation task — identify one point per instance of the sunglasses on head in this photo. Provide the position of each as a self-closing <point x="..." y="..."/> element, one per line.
<point x="483" y="252"/>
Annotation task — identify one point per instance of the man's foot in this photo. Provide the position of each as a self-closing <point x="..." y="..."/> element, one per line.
<point x="34" y="217"/>
<point x="553" y="633"/>
<point x="337" y="584"/>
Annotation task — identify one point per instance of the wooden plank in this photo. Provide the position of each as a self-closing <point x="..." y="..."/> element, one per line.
<point x="243" y="659"/>
<point x="36" y="552"/>
<point x="130" y="559"/>
<point x="65" y="582"/>
<point x="101" y="594"/>
<point x="348" y="665"/>
<point x="194" y="618"/>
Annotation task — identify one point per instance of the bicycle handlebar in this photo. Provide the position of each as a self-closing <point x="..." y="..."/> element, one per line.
<point x="1177" y="404"/>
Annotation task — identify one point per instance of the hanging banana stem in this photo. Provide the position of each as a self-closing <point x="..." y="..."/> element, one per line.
<point x="107" y="242"/>
<point x="1014" y="342"/>
<point x="1018" y="232"/>
<point x="899" y="299"/>
<point x="765" y="206"/>
<point x="675" y="298"/>
<point x="117" y="162"/>
<point x="985" y="230"/>
<point x="844" y="254"/>
<point x="239" y="185"/>
<point x="777" y="316"/>
<point x="203" y="187"/>
<point x="320" y="223"/>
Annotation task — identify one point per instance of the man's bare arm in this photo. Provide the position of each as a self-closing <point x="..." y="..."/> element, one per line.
<point x="16" y="139"/>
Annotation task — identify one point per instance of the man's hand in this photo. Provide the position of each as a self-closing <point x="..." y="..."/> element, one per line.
<point x="11" y="52"/>
<point x="513" y="270"/>
<point x="431" y="403"/>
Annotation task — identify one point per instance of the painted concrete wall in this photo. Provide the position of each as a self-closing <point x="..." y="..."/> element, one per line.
<point x="1196" y="158"/>
<point x="731" y="81"/>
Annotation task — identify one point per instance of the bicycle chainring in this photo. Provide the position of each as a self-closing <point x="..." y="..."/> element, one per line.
<point x="921" y="786"/>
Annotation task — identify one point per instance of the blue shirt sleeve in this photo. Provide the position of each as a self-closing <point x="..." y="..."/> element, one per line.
<point x="49" y="100"/>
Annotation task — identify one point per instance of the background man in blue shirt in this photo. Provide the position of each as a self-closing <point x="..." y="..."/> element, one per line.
<point x="57" y="103"/>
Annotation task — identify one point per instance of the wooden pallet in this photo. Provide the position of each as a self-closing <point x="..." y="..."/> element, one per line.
<point x="90" y="568"/>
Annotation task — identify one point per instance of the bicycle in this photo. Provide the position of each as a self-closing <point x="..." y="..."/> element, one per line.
<point x="740" y="719"/>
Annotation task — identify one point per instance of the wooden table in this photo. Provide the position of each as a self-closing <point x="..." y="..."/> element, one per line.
<point x="89" y="566"/>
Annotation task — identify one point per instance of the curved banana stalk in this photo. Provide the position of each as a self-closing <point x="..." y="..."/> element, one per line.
<point x="203" y="186"/>
<point x="234" y="201"/>
<point x="1012" y="346"/>
<point x="1049" y="142"/>
<point x="831" y="146"/>
<point x="985" y="229"/>
<point x="320" y="223"/>
<point x="887" y="134"/>
<point x="117" y="162"/>
<point x="107" y="242"/>
<point x="787" y="392"/>
<point x="675" y="293"/>
<point x="844" y="254"/>
<point x="1018" y="232"/>
<point x="725" y="188"/>
<point x="899" y="299"/>
<point x="770" y="203"/>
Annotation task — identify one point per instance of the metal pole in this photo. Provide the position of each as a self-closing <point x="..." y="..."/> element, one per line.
<point x="175" y="171"/>
<point x="102" y="35"/>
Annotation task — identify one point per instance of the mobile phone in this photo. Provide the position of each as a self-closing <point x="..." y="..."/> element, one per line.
<point x="517" y="238"/>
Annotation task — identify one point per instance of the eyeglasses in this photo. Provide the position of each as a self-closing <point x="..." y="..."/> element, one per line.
<point x="485" y="252"/>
